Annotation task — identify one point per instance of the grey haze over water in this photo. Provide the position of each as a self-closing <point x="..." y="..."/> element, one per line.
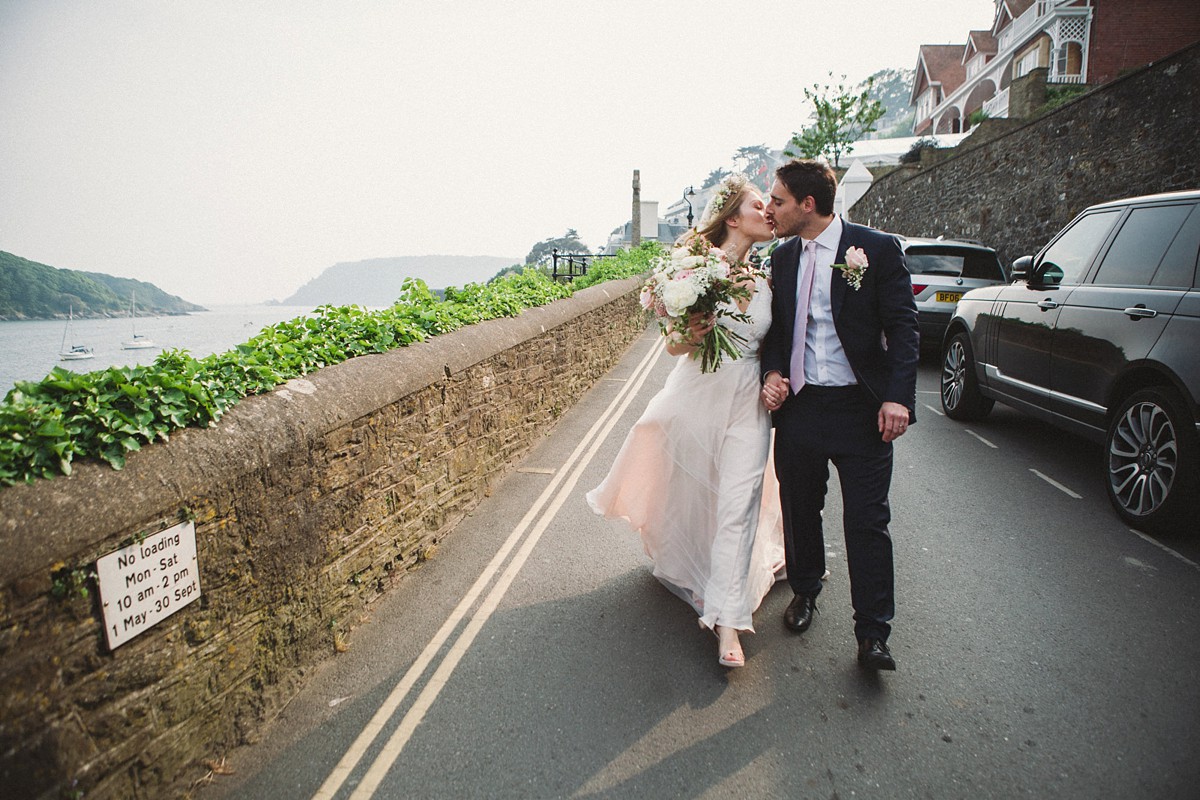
<point x="29" y="349"/>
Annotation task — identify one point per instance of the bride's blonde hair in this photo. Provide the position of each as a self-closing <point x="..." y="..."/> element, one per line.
<point x="726" y="203"/>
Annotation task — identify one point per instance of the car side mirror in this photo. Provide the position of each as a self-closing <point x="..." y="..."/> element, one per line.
<point x="1021" y="267"/>
<point x="1046" y="274"/>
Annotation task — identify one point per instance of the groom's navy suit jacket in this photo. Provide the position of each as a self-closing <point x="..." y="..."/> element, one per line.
<point x="876" y="323"/>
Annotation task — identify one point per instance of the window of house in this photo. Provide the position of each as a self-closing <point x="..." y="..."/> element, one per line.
<point x="1068" y="59"/>
<point x="1155" y="247"/>
<point x="1028" y="63"/>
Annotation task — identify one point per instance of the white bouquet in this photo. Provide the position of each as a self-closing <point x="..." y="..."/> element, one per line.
<point x="697" y="278"/>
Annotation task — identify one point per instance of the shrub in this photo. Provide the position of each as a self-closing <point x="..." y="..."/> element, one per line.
<point x="913" y="155"/>
<point x="45" y="426"/>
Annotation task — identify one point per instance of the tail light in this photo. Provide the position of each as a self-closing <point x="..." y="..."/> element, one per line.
<point x="919" y="287"/>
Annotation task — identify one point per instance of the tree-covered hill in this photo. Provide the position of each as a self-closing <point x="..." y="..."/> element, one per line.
<point x="29" y="290"/>
<point x="377" y="282"/>
<point x="893" y="89"/>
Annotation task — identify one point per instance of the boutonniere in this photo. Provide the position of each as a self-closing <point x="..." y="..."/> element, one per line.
<point x="855" y="266"/>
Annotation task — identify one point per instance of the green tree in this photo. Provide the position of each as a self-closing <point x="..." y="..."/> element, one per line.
<point x="569" y="242"/>
<point x="842" y="116"/>
<point x="754" y="161"/>
<point x="714" y="178"/>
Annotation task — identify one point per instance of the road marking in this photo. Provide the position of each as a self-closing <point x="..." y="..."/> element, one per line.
<point x="980" y="438"/>
<point x="1162" y="546"/>
<point x="1056" y="484"/>
<point x="537" y="470"/>
<point x="391" y="750"/>
<point x="937" y="411"/>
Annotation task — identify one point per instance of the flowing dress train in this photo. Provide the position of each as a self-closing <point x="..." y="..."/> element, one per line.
<point x="690" y="479"/>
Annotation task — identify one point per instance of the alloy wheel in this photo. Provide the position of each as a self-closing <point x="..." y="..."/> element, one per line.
<point x="954" y="369"/>
<point x="1143" y="458"/>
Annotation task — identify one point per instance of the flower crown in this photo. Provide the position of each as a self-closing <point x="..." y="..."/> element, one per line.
<point x="729" y="186"/>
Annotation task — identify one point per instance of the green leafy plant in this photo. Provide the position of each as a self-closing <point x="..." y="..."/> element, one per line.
<point x="66" y="581"/>
<point x="46" y="426"/>
<point x="1060" y="94"/>
<point x="625" y="264"/>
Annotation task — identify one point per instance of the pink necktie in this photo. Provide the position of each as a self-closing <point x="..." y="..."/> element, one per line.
<point x="803" y="299"/>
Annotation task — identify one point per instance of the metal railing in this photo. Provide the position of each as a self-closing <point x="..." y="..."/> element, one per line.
<point x="573" y="264"/>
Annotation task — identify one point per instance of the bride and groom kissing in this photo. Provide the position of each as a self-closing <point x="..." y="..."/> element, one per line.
<point x="829" y="362"/>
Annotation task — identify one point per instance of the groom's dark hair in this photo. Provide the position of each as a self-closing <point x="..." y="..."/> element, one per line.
<point x="805" y="177"/>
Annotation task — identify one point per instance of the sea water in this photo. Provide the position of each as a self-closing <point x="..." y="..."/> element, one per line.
<point x="29" y="349"/>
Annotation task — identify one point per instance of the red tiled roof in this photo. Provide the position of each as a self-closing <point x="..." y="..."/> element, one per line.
<point x="939" y="63"/>
<point x="1018" y="7"/>
<point x="980" y="42"/>
<point x="1010" y="9"/>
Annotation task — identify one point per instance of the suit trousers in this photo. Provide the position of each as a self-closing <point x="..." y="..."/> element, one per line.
<point x="838" y="424"/>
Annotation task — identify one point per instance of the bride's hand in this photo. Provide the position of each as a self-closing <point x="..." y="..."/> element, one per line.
<point x="699" y="326"/>
<point x="774" y="392"/>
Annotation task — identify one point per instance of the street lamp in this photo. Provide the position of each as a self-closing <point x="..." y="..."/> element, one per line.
<point x="687" y="198"/>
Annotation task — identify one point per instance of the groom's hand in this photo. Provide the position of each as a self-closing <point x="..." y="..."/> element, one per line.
<point x="775" y="391"/>
<point x="893" y="421"/>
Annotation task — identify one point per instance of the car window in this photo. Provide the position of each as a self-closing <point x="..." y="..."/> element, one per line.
<point x="1067" y="260"/>
<point x="1139" y="251"/>
<point x="954" y="262"/>
<point x="1178" y="266"/>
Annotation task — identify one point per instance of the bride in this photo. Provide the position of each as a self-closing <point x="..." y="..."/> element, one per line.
<point x="689" y="477"/>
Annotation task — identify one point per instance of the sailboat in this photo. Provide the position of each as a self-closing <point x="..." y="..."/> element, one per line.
<point x="138" y="342"/>
<point x="77" y="352"/>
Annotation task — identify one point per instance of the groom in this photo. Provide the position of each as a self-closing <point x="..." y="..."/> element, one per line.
<point x="839" y="372"/>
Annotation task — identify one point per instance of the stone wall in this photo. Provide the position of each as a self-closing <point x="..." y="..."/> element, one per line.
<point x="308" y="502"/>
<point x="1131" y="137"/>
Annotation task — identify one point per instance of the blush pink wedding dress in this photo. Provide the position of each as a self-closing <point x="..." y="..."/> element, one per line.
<point x="695" y="479"/>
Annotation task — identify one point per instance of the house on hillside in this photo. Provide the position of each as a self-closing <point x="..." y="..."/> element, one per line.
<point x="1087" y="42"/>
<point x="654" y="228"/>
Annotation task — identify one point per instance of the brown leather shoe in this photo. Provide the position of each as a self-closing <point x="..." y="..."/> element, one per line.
<point x="799" y="613"/>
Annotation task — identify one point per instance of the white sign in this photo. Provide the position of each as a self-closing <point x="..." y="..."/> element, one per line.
<point x="143" y="584"/>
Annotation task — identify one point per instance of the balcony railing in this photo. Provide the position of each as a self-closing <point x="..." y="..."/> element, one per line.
<point x="1064" y="79"/>
<point x="997" y="107"/>
<point x="1024" y="24"/>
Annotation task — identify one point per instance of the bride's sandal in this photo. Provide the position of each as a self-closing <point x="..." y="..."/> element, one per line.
<point x="729" y="653"/>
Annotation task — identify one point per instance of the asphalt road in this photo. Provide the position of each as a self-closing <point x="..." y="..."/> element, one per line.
<point x="1045" y="650"/>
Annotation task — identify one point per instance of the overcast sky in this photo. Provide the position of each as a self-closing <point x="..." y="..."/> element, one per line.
<point x="231" y="151"/>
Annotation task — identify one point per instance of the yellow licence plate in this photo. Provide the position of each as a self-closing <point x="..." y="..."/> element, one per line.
<point x="949" y="297"/>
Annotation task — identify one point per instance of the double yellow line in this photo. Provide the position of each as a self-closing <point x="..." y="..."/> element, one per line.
<point x="526" y="534"/>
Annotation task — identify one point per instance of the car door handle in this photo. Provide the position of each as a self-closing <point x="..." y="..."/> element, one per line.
<point x="1047" y="304"/>
<point x="1140" y="312"/>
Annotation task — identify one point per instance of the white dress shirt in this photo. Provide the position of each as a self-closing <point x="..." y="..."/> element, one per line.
<point x="825" y="362"/>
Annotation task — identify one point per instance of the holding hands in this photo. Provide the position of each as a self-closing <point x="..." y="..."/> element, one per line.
<point x="775" y="391"/>
<point x="893" y="417"/>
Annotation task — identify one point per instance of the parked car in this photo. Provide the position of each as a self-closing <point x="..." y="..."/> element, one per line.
<point x="1100" y="334"/>
<point x="942" y="270"/>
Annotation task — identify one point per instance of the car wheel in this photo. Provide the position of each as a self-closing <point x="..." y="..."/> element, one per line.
<point x="961" y="398"/>
<point x="1152" y="458"/>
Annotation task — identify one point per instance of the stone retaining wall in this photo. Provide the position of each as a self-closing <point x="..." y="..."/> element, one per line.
<point x="308" y="502"/>
<point x="1131" y="137"/>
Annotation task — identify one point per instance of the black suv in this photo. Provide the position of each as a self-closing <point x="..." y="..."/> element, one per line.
<point x="1100" y="334"/>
